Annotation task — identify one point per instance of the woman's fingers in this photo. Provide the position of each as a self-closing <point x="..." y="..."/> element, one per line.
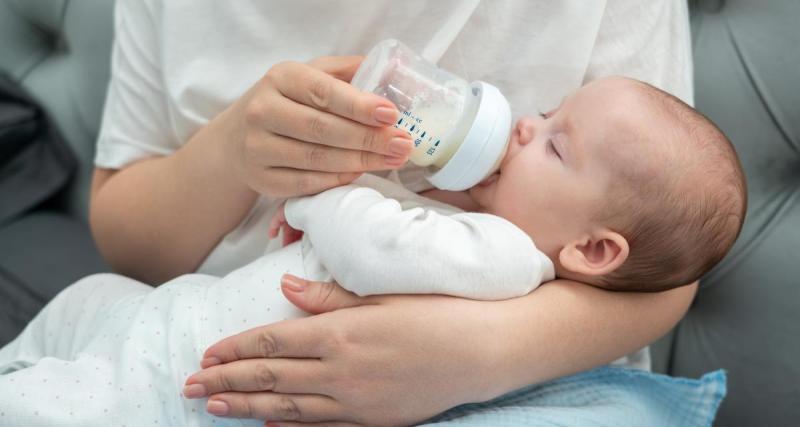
<point x="277" y="150"/>
<point x="293" y="119"/>
<point x="287" y="182"/>
<point x="341" y="67"/>
<point x="277" y="375"/>
<point x="302" y="129"/>
<point x="276" y="407"/>
<point x="307" y="338"/>
<point x="320" y="90"/>
<point x="322" y="424"/>
<point x="318" y="297"/>
<point x="290" y="338"/>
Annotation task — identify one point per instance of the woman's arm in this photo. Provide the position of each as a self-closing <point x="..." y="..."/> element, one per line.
<point x="159" y="205"/>
<point x="391" y="360"/>
<point x="584" y="327"/>
<point x="160" y="217"/>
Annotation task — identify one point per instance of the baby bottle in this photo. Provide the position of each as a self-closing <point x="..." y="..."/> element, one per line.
<point x="460" y="129"/>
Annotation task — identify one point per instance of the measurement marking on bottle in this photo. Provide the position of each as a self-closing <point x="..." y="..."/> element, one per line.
<point x="412" y="128"/>
<point x="400" y="121"/>
<point x="437" y="142"/>
<point x="423" y="134"/>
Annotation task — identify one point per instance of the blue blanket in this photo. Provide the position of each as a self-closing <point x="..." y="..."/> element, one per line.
<point x="607" y="396"/>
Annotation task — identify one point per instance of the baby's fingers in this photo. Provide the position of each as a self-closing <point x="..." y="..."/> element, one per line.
<point x="290" y="235"/>
<point x="274" y="227"/>
<point x="278" y="220"/>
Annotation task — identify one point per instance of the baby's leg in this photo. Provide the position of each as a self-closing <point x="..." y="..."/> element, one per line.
<point x="250" y="296"/>
<point x="68" y="322"/>
<point x="81" y="392"/>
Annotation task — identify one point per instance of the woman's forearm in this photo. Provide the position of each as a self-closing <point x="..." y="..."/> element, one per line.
<point x="160" y="217"/>
<point x="565" y="327"/>
<point x="400" y="359"/>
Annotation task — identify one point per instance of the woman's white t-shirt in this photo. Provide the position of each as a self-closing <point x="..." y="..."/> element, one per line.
<point x="176" y="64"/>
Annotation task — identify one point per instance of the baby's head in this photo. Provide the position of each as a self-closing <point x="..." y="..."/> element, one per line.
<point x="623" y="186"/>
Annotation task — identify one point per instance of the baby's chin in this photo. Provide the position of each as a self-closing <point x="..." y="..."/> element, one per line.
<point x="482" y="193"/>
<point x="488" y="181"/>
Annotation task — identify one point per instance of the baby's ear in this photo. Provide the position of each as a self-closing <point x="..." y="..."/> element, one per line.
<point x="595" y="254"/>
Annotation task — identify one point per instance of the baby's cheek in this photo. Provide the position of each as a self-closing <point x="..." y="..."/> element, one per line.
<point x="480" y="196"/>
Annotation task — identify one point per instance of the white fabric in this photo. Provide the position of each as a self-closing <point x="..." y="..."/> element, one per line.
<point x="178" y="63"/>
<point x="378" y="245"/>
<point x="109" y="350"/>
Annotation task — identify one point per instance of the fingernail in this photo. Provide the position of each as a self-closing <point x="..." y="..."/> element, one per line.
<point x="386" y="115"/>
<point x="394" y="161"/>
<point x="217" y="407"/>
<point x="193" y="391"/>
<point x="400" y="146"/>
<point x="292" y="283"/>
<point x="209" y="362"/>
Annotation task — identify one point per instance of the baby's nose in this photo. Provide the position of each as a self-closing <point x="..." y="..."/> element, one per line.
<point x="525" y="130"/>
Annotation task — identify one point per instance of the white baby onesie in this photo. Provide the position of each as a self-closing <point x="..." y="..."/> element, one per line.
<point x="112" y="351"/>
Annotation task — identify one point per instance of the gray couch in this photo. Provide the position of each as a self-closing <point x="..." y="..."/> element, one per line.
<point x="59" y="50"/>
<point x="746" y="317"/>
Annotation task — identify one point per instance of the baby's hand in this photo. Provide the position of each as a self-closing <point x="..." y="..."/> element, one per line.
<point x="278" y="222"/>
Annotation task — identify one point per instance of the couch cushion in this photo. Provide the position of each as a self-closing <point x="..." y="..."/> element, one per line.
<point x="40" y="254"/>
<point x="60" y="50"/>
<point x="35" y="162"/>
<point x="746" y="317"/>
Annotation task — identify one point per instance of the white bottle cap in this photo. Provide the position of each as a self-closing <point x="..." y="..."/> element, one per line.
<point x="483" y="145"/>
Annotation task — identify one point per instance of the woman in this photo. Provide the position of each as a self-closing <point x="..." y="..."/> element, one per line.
<point x="206" y="128"/>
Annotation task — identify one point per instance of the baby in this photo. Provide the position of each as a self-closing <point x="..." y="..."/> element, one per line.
<point x="623" y="187"/>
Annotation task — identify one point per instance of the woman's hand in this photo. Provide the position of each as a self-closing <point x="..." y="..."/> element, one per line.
<point x="393" y="360"/>
<point x="299" y="130"/>
<point x="336" y="369"/>
<point x="302" y="129"/>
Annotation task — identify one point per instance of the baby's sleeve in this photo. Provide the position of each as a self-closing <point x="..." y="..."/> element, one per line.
<point x="371" y="245"/>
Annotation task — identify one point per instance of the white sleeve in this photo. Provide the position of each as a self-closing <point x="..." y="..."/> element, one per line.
<point x="371" y="245"/>
<point x="135" y="117"/>
<point x="645" y="40"/>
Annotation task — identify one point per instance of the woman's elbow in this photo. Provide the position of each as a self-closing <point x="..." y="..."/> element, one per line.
<point x="100" y="216"/>
<point x="108" y="230"/>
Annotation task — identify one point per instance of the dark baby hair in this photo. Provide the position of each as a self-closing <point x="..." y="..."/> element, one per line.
<point x="681" y="221"/>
